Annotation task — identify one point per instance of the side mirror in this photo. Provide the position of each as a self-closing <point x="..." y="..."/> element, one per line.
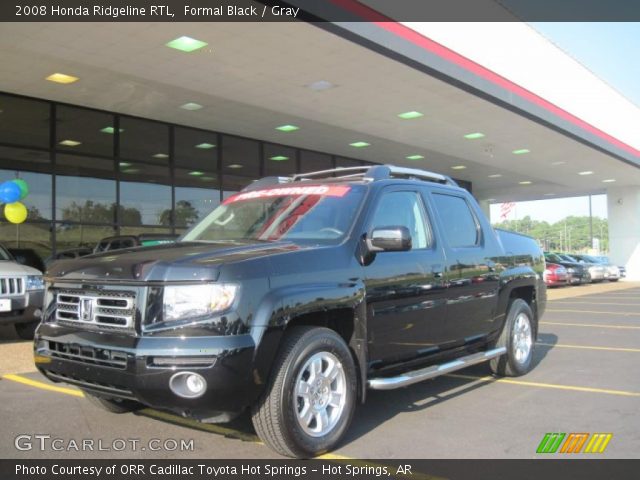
<point x="389" y="239"/>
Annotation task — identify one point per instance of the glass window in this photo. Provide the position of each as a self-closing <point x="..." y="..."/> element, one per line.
<point x="314" y="161"/>
<point x="84" y="199"/>
<point x="24" y="121"/>
<point x="240" y="163"/>
<point x="459" y="224"/>
<point x="279" y="160"/>
<point x="144" y="140"/>
<point x="145" y="197"/>
<point x="79" y="165"/>
<point x="403" y="209"/>
<point x="347" y="162"/>
<point x="192" y="204"/>
<point x="84" y="131"/>
<point x="27" y="236"/>
<point x="290" y="213"/>
<point x="23" y="163"/>
<point x="196" y="150"/>
<point x="70" y="236"/>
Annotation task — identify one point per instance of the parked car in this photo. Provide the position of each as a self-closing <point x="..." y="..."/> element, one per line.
<point x="597" y="271"/>
<point x="129" y="241"/>
<point x="555" y="275"/>
<point x="69" y="254"/>
<point x="28" y="257"/>
<point x="577" y="272"/>
<point x="21" y="295"/>
<point x="621" y="268"/>
<point x="612" y="272"/>
<point x="294" y="297"/>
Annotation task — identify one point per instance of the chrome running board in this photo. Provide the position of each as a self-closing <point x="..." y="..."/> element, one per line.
<point x="409" y="378"/>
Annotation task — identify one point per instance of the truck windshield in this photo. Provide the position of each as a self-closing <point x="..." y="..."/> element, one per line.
<point x="315" y="213"/>
<point x="4" y="255"/>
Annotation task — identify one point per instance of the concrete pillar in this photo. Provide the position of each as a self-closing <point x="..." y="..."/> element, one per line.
<point x="623" y="211"/>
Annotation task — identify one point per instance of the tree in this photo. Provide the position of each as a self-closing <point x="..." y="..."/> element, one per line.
<point x="185" y="214"/>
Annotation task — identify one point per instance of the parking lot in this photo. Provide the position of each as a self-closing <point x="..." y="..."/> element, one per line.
<point x="585" y="380"/>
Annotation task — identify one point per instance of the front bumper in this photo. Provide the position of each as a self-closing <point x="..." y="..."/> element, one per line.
<point x="24" y="309"/>
<point x="119" y="366"/>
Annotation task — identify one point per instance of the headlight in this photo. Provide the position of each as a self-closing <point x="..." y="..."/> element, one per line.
<point x="192" y="301"/>
<point x="35" y="282"/>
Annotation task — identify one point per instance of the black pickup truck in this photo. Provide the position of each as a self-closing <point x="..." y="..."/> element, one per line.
<point x="294" y="297"/>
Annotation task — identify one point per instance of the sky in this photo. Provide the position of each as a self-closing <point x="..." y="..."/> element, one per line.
<point x="611" y="51"/>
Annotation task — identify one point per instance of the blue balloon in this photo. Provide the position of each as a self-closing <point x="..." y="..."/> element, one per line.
<point x="9" y="192"/>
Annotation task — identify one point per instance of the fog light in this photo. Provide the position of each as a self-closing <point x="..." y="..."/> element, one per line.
<point x="188" y="384"/>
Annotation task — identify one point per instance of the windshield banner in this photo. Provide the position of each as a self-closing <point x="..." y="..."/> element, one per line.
<point x="324" y="190"/>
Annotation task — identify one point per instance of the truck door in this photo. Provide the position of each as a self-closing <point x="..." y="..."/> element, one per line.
<point x="406" y="300"/>
<point x="470" y="272"/>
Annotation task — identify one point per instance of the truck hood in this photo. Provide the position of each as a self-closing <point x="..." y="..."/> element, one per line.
<point x="9" y="269"/>
<point x="177" y="262"/>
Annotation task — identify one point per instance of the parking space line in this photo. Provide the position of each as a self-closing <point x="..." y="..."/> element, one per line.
<point x="42" y="385"/>
<point x="590" y="347"/>
<point x="626" y="314"/>
<point x="563" y="302"/>
<point x="593" y="325"/>
<point x="489" y="378"/>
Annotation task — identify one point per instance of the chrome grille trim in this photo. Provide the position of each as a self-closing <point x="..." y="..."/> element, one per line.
<point x="12" y="286"/>
<point x="105" y="309"/>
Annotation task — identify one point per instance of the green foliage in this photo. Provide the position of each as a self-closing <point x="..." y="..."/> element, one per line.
<point x="570" y="234"/>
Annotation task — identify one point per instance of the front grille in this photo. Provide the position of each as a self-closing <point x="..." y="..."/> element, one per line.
<point x="11" y="286"/>
<point x="106" y="309"/>
<point x="85" y="354"/>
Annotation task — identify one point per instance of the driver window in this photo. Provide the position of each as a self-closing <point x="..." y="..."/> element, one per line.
<point x="403" y="209"/>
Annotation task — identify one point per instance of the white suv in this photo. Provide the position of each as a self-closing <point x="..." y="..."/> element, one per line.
<point x="21" y="295"/>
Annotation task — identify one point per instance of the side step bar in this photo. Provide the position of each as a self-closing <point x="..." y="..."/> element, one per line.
<point x="409" y="378"/>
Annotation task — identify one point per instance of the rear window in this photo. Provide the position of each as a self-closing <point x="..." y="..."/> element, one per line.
<point x="459" y="223"/>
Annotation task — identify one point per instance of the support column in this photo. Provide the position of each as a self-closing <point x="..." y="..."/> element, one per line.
<point x="485" y="206"/>
<point x="623" y="211"/>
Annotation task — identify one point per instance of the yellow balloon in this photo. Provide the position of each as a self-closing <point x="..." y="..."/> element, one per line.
<point x="15" y="212"/>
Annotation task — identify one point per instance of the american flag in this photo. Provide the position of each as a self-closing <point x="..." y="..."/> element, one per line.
<point x="505" y="209"/>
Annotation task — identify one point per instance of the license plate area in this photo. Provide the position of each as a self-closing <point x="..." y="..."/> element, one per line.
<point x="5" y="304"/>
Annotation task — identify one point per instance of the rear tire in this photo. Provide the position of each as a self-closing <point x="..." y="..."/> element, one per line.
<point x="26" y="331"/>
<point x="309" y="401"/>
<point x="113" y="405"/>
<point x="518" y="337"/>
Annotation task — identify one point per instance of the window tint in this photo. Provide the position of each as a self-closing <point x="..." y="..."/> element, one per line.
<point x="460" y="227"/>
<point x="403" y="209"/>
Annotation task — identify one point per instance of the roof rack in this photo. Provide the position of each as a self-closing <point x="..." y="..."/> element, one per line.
<point x="367" y="173"/>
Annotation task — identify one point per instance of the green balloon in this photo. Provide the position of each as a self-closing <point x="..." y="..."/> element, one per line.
<point x="24" y="188"/>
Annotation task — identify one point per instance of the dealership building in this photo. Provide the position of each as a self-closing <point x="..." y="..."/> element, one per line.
<point x="123" y="128"/>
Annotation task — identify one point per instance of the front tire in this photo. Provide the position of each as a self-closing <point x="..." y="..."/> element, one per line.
<point x="518" y="337"/>
<point x="310" y="398"/>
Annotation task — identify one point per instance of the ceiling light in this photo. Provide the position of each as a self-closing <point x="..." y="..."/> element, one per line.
<point x="207" y="179"/>
<point x="458" y="167"/>
<point x="410" y="115"/>
<point x="320" y="85"/>
<point x="549" y="194"/>
<point x="561" y="162"/>
<point x="235" y="166"/>
<point x="359" y="144"/>
<point x="70" y="143"/>
<point x="586" y="172"/>
<point x="278" y="158"/>
<point x="62" y="78"/>
<point x="287" y="128"/>
<point x="474" y="136"/>
<point x="521" y="151"/>
<point x="131" y="170"/>
<point x="415" y="157"/>
<point x="491" y="199"/>
<point x="191" y="106"/>
<point x="111" y="130"/>
<point x="495" y="175"/>
<point x="205" y="146"/>
<point x="124" y="164"/>
<point x="196" y="173"/>
<point x="609" y="180"/>
<point x="160" y="155"/>
<point x="186" y="44"/>
<point x="525" y="182"/>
